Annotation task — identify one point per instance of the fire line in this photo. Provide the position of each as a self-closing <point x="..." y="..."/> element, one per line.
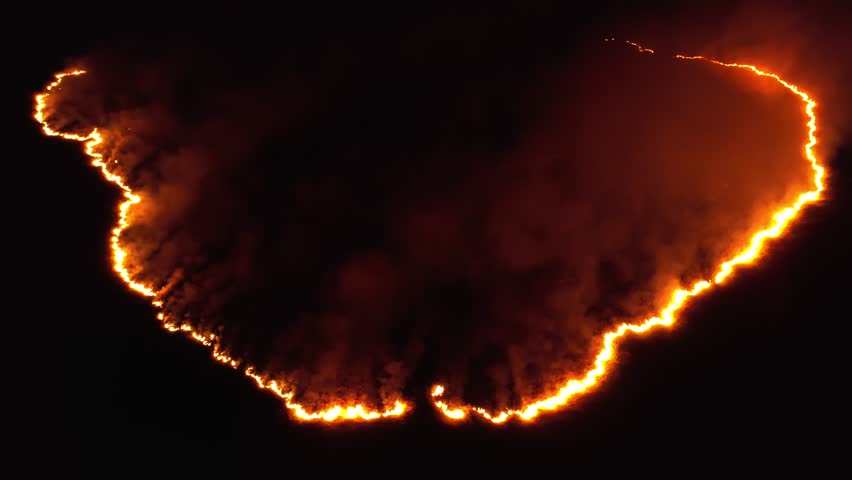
<point x="92" y="142"/>
<point x="571" y="389"/>
<point x="580" y="385"/>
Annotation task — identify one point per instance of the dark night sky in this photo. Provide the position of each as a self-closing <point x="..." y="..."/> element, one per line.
<point x="754" y="378"/>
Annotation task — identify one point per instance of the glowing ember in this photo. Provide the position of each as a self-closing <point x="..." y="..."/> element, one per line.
<point x="92" y="141"/>
<point x="575" y="387"/>
<point x="640" y="47"/>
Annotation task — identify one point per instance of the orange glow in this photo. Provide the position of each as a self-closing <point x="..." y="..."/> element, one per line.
<point x="92" y="142"/>
<point x="576" y="387"/>
<point x="639" y="47"/>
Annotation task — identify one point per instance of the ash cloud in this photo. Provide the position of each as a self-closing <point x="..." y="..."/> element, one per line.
<point x="362" y="207"/>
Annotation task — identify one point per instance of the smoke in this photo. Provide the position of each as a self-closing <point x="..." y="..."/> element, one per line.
<point x="363" y="208"/>
<point x="802" y="42"/>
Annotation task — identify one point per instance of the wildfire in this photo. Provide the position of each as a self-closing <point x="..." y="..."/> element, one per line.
<point x="576" y="387"/>
<point x="92" y="142"/>
<point x="571" y="389"/>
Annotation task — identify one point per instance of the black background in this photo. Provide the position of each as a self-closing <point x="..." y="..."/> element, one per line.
<point x="754" y="378"/>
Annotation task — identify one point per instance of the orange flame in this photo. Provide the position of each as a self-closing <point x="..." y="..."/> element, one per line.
<point x="576" y="387"/>
<point x="451" y="413"/>
<point x="92" y="141"/>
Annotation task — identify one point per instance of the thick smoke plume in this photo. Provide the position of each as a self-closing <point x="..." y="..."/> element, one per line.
<point x="366" y="212"/>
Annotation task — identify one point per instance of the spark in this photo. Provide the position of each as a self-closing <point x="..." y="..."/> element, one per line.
<point x="781" y="219"/>
<point x="92" y="142"/>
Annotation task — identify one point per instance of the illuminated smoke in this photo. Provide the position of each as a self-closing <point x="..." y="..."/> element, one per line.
<point x="580" y="384"/>
<point x="334" y="256"/>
